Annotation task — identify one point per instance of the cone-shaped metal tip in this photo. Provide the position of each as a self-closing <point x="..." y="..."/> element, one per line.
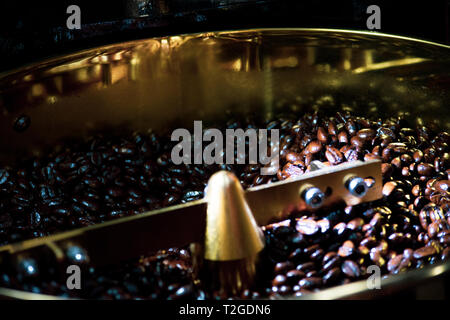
<point x="231" y="230"/>
<point x="233" y="240"/>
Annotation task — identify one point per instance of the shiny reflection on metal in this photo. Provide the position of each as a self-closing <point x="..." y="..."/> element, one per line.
<point x="389" y="64"/>
<point x="317" y="165"/>
<point x="202" y="75"/>
<point x="233" y="239"/>
<point x="356" y="186"/>
<point x="231" y="230"/>
<point x="6" y="293"/>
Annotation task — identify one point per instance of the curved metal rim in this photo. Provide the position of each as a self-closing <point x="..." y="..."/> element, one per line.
<point x="219" y="32"/>
<point x="389" y="283"/>
<point x="347" y="291"/>
<point x="24" y="295"/>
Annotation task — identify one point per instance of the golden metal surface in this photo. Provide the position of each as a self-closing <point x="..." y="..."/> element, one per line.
<point x="231" y="230"/>
<point x="276" y="200"/>
<point x="125" y="238"/>
<point x="233" y="240"/>
<point x="204" y="76"/>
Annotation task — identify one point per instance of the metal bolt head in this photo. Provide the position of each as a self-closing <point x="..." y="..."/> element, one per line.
<point x="314" y="198"/>
<point x="357" y="187"/>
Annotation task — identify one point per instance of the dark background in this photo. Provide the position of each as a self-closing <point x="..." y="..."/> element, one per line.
<point x="32" y="30"/>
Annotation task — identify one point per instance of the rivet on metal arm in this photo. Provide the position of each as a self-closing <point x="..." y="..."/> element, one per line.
<point x="356" y="186"/>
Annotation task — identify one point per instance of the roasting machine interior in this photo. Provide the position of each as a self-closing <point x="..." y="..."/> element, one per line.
<point x="86" y="178"/>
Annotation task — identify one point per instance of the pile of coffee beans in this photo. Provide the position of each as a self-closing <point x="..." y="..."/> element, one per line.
<point x="106" y="177"/>
<point x="165" y="275"/>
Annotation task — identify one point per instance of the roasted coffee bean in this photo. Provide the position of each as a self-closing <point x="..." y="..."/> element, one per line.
<point x="293" y="276"/>
<point x="331" y="263"/>
<point x="424" y="252"/>
<point x="346" y="249"/>
<point x="324" y="225"/>
<point x="279" y="280"/>
<point x="307" y="227"/>
<point x="377" y="220"/>
<point x="394" y="263"/>
<point x="425" y="169"/>
<point x="294" y="157"/>
<point x="376" y="257"/>
<point x="389" y="187"/>
<point x="351" y="269"/>
<point x="314" y="147"/>
<point x="366" y="134"/>
<point x="328" y="256"/>
<point x="386" y="170"/>
<point x="433" y="229"/>
<point x="445" y="240"/>
<point x="351" y="127"/>
<point x="343" y="137"/>
<point x="332" y="276"/>
<point x="310" y="282"/>
<point x="445" y="254"/>
<point x="317" y="255"/>
<point x="312" y="273"/>
<point x="340" y="229"/>
<point x="430" y="213"/>
<point x="333" y="155"/>
<point x="418" y="156"/>
<point x="355" y="224"/>
<point x="306" y="267"/>
<point x="398" y="147"/>
<point x="332" y="130"/>
<point x="283" y="267"/>
<point x="369" y="242"/>
<point x="357" y="142"/>
<point x="442" y="186"/>
<point x="322" y="135"/>
<point x="351" y="154"/>
<point x="291" y="170"/>
<point x="420" y="202"/>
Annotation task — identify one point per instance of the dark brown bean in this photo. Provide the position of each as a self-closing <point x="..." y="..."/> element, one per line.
<point x="332" y="276"/>
<point x="424" y="252"/>
<point x="309" y="283"/>
<point x="307" y="227"/>
<point x="366" y="134"/>
<point x="279" y="280"/>
<point x="314" y="147"/>
<point x="333" y="155"/>
<point x="322" y="135"/>
<point x="294" y="276"/>
<point x="351" y="269"/>
<point x="347" y="249"/>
